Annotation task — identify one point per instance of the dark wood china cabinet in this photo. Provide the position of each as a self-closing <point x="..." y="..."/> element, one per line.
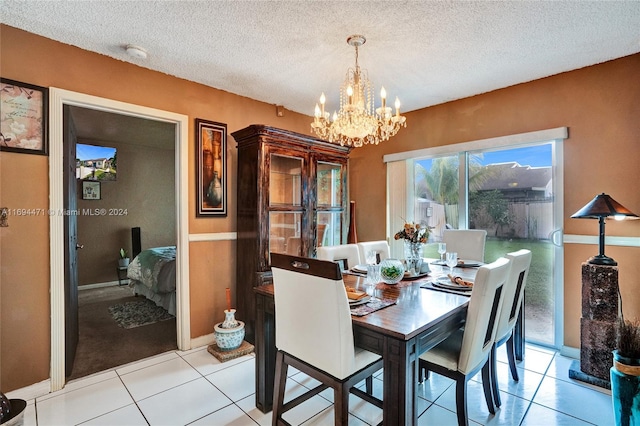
<point x="292" y="198"/>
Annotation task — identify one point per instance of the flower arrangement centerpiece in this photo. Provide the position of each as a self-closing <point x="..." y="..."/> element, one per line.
<point x="414" y="236"/>
<point x="413" y="233"/>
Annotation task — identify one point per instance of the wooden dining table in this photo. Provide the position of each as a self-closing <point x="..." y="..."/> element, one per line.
<point x="420" y="319"/>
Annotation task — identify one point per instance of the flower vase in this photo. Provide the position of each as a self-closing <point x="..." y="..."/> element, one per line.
<point x="229" y="334"/>
<point x="625" y="390"/>
<point x="352" y="237"/>
<point x="413" y="257"/>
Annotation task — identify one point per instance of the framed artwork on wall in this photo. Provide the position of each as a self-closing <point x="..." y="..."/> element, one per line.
<point x="211" y="168"/>
<point x="23" y="117"/>
<point x="90" y="190"/>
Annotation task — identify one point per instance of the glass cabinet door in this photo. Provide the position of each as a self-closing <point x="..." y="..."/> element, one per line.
<point x="285" y="203"/>
<point x="285" y="181"/>
<point x="285" y="233"/>
<point x="330" y="203"/>
<point x="329" y="185"/>
<point x="329" y="228"/>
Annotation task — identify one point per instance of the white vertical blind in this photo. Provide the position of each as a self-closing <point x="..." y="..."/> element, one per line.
<point x="399" y="202"/>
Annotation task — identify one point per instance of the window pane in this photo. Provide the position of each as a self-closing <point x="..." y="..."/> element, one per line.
<point x="329" y="228"/>
<point x="285" y="183"/>
<point x="437" y="194"/>
<point x="284" y="232"/>
<point x="329" y="183"/>
<point x="511" y="197"/>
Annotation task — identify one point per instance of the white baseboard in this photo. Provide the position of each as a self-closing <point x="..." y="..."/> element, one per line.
<point x="570" y="352"/>
<point x="32" y="391"/>
<point x="100" y="285"/>
<point x="205" y="340"/>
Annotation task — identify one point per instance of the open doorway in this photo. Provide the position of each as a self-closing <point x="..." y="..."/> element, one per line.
<point x="131" y="160"/>
<point x="58" y="99"/>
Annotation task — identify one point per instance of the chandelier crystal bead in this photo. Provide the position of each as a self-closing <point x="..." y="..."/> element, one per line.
<point x="357" y="123"/>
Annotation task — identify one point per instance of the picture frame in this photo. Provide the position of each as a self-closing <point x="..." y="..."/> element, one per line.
<point x="211" y="168"/>
<point x="24" y="112"/>
<point x="91" y="190"/>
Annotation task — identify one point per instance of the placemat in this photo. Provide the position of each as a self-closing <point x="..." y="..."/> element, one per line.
<point x="375" y="304"/>
<point x="429" y="286"/>
<point x="401" y="284"/>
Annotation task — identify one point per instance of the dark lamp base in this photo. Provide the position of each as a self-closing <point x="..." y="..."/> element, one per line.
<point x="602" y="260"/>
<point x="576" y="373"/>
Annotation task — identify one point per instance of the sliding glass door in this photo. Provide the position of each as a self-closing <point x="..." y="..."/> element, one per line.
<point x="510" y="192"/>
<point x="511" y="197"/>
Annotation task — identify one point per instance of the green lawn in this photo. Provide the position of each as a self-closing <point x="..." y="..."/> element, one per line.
<point x="539" y="290"/>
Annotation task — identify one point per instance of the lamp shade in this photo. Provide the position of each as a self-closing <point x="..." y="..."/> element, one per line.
<point x="600" y="207"/>
<point x="603" y="206"/>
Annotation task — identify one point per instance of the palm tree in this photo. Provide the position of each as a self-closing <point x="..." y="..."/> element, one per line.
<point x="440" y="184"/>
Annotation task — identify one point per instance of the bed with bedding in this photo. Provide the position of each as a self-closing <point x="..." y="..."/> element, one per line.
<point x="152" y="273"/>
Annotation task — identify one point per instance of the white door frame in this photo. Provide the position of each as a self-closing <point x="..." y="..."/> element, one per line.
<point x="58" y="98"/>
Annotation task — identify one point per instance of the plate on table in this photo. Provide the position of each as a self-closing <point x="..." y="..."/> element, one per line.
<point x="408" y="277"/>
<point x="462" y="263"/>
<point x="446" y="283"/>
<point x="359" y="301"/>
<point x="360" y="268"/>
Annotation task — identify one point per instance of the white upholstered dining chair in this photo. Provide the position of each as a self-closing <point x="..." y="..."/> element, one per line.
<point x="381" y="248"/>
<point x="468" y="243"/>
<point x="513" y="296"/>
<point x="314" y="334"/>
<point x="347" y="254"/>
<point x="467" y="351"/>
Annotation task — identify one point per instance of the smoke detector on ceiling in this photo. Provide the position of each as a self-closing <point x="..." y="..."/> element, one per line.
<point x="136" y="51"/>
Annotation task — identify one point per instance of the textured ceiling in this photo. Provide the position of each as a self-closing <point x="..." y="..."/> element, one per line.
<point x="288" y="52"/>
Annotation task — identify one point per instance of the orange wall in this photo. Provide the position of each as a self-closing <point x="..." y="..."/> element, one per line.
<point x="600" y="106"/>
<point x="24" y="245"/>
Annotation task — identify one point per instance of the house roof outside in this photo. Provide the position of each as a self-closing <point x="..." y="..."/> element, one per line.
<point x="513" y="176"/>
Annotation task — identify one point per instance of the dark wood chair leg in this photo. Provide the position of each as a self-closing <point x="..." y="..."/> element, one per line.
<point x="280" y="381"/>
<point x="461" y="402"/>
<point x="511" y="355"/>
<point x="493" y="365"/>
<point x="340" y="405"/>
<point x="487" y="386"/>
<point x="369" y="385"/>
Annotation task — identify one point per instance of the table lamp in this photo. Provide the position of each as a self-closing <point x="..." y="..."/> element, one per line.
<point x="600" y="207"/>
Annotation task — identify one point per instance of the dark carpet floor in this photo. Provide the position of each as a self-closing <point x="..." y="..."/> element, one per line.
<point x="104" y="345"/>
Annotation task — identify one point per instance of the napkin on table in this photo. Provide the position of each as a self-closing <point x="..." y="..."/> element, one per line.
<point x="460" y="281"/>
<point x="354" y="294"/>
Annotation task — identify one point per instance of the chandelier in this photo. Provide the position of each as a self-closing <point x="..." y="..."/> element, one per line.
<point x="357" y="123"/>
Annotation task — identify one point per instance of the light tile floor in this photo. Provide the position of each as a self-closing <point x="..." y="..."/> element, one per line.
<point x="194" y="388"/>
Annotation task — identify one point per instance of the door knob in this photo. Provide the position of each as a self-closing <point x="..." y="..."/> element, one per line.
<point x="79" y="246"/>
